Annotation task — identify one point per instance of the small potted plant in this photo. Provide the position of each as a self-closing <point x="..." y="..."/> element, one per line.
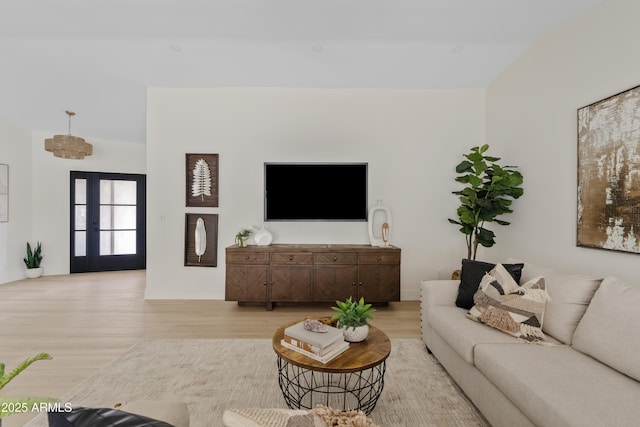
<point x="353" y="318"/>
<point x="242" y="236"/>
<point x="33" y="260"/>
<point x="13" y="405"/>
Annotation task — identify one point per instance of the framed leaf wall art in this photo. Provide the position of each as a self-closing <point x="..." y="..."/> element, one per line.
<point x="201" y="183"/>
<point x="201" y="240"/>
<point x="4" y="193"/>
<point x="609" y="173"/>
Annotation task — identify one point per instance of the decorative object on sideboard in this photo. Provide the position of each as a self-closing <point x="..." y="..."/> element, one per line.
<point x="242" y="237"/>
<point x="32" y="260"/>
<point x="353" y="318"/>
<point x="379" y="225"/>
<point x="489" y="192"/>
<point x="608" y="169"/>
<point x="4" y="193"/>
<point x="201" y="185"/>
<point x="15" y="405"/>
<point x="201" y="180"/>
<point x="261" y="236"/>
<point x="201" y="240"/>
<point x="68" y="146"/>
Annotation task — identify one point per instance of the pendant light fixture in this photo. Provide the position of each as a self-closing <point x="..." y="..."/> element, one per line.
<point x="68" y="146"/>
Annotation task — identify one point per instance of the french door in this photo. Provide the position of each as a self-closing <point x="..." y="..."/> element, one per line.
<point x="108" y="229"/>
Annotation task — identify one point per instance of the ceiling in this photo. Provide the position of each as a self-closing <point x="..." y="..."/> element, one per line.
<point x="97" y="57"/>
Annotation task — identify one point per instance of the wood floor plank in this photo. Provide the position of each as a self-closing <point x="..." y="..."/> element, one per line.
<point x="87" y="320"/>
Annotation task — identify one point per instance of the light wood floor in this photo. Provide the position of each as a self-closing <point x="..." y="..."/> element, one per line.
<point x="87" y="320"/>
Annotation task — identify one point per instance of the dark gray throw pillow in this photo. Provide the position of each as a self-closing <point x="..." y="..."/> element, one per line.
<point x="471" y="276"/>
<point x="101" y="417"/>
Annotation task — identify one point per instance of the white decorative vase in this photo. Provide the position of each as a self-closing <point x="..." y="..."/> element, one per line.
<point x="357" y="334"/>
<point x="379" y="225"/>
<point x="262" y="237"/>
<point x="33" y="273"/>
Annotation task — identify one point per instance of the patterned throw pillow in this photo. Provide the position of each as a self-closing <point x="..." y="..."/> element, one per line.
<point x="471" y="275"/>
<point x="516" y="310"/>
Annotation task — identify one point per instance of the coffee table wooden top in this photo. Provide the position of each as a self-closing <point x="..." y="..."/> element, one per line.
<point x="359" y="356"/>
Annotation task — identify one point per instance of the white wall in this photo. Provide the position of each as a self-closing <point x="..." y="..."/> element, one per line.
<point x="50" y="196"/>
<point x="531" y="118"/>
<point x="411" y="139"/>
<point x="15" y="150"/>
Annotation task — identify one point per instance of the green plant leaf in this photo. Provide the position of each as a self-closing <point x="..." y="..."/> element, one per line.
<point x="464" y="166"/>
<point x="5" y="379"/>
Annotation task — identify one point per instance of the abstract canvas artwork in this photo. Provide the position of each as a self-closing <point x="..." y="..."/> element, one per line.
<point x="609" y="173"/>
<point x="4" y="193"/>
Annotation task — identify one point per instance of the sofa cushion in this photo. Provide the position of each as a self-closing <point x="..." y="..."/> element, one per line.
<point x="471" y="276"/>
<point x="171" y="412"/>
<point x="101" y="417"/>
<point x="559" y="386"/>
<point x="608" y="330"/>
<point x="516" y="310"/>
<point x="570" y="296"/>
<point x="461" y="333"/>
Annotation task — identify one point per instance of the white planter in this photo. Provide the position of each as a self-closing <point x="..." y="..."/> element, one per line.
<point x="33" y="273"/>
<point x="357" y="334"/>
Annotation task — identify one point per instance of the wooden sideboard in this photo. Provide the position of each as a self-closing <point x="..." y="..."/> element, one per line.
<point x="290" y="273"/>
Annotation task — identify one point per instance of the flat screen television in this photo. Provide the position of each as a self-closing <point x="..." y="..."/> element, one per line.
<point x="315" y="192"/>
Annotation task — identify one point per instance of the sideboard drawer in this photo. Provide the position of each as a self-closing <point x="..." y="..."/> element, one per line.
<point x="248" y="257"/>
<point x="335" y="258"/>
<point x="291" y="258"/>
<point x="379" y="258"/>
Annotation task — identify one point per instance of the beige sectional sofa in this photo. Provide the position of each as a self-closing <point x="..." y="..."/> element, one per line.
<point x="590" y="376"/>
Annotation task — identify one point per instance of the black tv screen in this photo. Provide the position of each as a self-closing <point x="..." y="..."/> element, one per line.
<point x="315" y="192"/>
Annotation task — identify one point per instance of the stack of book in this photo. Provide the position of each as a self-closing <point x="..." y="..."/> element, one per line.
<point x="321" y="346"/>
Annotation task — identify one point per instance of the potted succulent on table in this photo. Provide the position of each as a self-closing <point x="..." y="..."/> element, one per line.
<point x="33" y="260"/>
<point x="353" y="318"/>
<point x="14" y="405"/>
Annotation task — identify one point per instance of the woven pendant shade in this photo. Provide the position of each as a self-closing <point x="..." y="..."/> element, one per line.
<point x="68" y="146"/>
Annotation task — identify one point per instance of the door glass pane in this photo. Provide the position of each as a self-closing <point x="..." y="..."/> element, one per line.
<point x="117" y="217"/>
<point x="81" y="191"/>
<point x="81" y="217"/>
<point x="117" y="192"/>
<point x="118" y="242"/>
<point x="80" y="244"/>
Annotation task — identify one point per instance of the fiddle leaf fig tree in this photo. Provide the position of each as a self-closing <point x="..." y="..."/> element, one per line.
<point x="489" y="192"/>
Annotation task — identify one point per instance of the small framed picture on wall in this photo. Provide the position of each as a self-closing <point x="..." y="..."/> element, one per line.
<point x="201" y="181"/>
<point x="4" y="192"/>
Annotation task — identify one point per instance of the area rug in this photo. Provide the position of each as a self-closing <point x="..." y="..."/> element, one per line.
<point x="212" y="375"/>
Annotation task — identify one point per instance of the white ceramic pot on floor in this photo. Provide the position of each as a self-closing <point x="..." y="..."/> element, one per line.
<point x="33" y="273"/>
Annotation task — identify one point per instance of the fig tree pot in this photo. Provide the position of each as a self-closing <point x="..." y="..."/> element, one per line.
<point x="33" y="273"/>
<point x="357" y="334"/>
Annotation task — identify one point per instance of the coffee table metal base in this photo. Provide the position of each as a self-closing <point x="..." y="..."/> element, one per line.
<point x="304" y="388"/>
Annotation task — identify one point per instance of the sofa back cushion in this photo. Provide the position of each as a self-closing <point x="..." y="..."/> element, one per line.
<point x="570" y="296"/>
<point x="609" y="331"/>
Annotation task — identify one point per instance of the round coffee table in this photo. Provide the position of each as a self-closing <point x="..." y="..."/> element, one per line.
<point x="352" y="381"/>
